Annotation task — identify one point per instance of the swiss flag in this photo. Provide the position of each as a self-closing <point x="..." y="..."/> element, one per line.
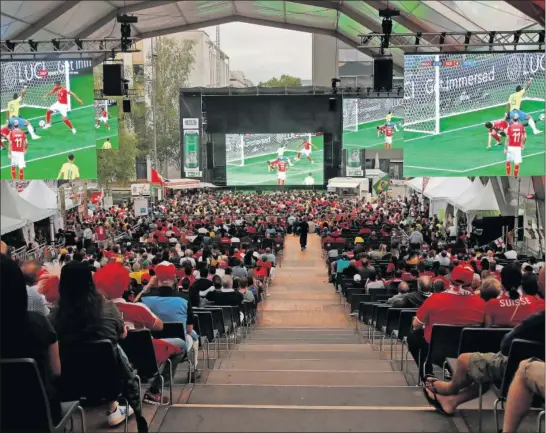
<point x="157" y="179"/>
<point x="96" y="198"/>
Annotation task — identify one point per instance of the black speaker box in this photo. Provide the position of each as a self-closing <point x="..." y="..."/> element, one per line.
<point x="210" y="155"/>
<point x="382" y="75"/>
<point x="112" y="76"/>
<point x="126" y="105"/>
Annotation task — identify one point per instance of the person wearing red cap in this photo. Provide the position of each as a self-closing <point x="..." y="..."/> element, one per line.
<point x="164" y="302"/>
<point x="455" y="306"/>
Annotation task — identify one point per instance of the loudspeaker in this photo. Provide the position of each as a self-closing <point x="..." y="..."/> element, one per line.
<point x="126" y="105"/>
<point x="112" y="76"/>
<point x="332" y="104"/>
<point x="210" y="155"/>
<point x="328" y="149"/>
<point x="382" y="75"/>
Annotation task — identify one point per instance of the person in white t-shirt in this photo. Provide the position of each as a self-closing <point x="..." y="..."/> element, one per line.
<point x="309" y="180"/>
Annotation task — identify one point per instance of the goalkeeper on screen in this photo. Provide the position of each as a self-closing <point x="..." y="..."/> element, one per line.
<point x="513" y="106"/>
<point x="13" y="114"/>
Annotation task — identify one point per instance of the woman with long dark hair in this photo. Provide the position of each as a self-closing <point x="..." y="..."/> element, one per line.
<point x="27" y="334"/>
<point x="83" y="314"/>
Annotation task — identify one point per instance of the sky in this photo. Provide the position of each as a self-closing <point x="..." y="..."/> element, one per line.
<point x="265" y="52"/>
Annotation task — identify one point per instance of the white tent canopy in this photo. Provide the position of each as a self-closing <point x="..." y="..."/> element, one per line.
<point x="468" y="197"/>
<point x="10" y="224"/>
<point x="416" y="184"/>
<point x="485" y="202"/>
<point x="446" y="187"/>
<point x="16" y="207"/>
<point x="40" y="195"/>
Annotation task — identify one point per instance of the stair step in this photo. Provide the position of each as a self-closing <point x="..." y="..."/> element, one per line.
<point x="309" y="354"/>
<point x="295" y="364"/>
<point x="252" y="377"/>
<point x="308" y="395"/>
<point x="304" y="347"/>
<point x="303" y="340"/>
<point x="206" y="418"/>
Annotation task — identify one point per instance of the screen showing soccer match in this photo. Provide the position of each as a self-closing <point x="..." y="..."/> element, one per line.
<point x="373" y="123"/>
<point x="474" y="114"/>
<point x="106" y="124"/>
<point x="47" y="120"/>
<point x="274" y="159"/>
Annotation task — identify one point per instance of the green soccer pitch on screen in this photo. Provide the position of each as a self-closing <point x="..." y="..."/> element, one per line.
<point x="275" y="159"/>
<point x="462" y="113"/>
<point x="50" y="105"/>
<point x="106" y="124"/>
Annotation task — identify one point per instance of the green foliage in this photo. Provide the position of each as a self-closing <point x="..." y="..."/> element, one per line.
<point x="283" y="81"/>
<point x="118" y="165"/>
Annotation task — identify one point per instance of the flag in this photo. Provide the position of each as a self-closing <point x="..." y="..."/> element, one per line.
<point x="382" y="185"/>
<point x="499" y="242"/>
<point x="96" y="198"/>
<point x="157" y="179"/>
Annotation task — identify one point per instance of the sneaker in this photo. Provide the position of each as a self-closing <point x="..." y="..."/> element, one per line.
<point x="118" y="416"/>
<point x="47" y="126"/>
<point x="35" y="137"/>
<point x="73" y="130"/>
<point x="152" y="398"/>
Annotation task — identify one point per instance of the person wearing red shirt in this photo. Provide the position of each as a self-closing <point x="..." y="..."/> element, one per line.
<point x="496" y="129"/>
<point x="514" y="145"/>
<point x="61" y="106"/>
<point x="18" y="145"/>
<point x="510" y="308"/>
<point x="455" y="306"/>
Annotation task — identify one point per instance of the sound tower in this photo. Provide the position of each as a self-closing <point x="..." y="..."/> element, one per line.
<point x="126" y="105"/>
<point x="210" y="155"/>
<point x="112" y="79"/>
<point x="382" y="75"/>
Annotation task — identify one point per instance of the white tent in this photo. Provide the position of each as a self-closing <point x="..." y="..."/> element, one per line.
<point x="415" y="184"/>
<point x="40" y="195"/>
<point x="16" y="207"/>
<point x="446" y="187"/>
<point x="8" y="224"/>
<point x="470" y="195"/>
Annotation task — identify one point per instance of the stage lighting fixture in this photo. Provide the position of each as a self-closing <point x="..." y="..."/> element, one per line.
<point x="368" y="90"/>
<point x="79" y="43"/>
<point x="467" y="38"/>
<point x="335" y="82"/>
<point x="56" y="44"/>
<point x="541" y="37"/>
<point x="516" y="37"/>
<point x="33" y="45"/>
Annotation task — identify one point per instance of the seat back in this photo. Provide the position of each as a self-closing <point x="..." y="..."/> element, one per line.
<point x="366" y="308"/>
<point x="393" y="317"/>
<point x="382" y="298"/>
<point x="351" y="291"/>
<point x="356" y="299"/>
<point x="139" y="348"/>
<point x="171" y="330"/>
<point x="482" y="340"/>
<point x="382" y="312"/>
<point x="206" y="324"/>
<point x="24" y="403"/>
<point x="519" y="351"/>
<point x="404" y="324"/>
<point x="444" y="343"/>
<point x="90" y="371"/>
<point x="228" y="315"/>
<point x="236" y="310"/>
<point x="217" y="318"/>
<point x="376" y="292"/>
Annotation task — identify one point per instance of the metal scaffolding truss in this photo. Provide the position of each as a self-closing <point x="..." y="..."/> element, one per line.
<point x="11" y="49"/>
<point x="519" y="40"/>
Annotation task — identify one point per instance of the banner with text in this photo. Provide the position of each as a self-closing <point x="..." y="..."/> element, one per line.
<point x="355" y="162"/>
<point x="190" y="137"/>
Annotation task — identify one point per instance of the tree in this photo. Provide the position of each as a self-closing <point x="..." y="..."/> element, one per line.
<point x="118" y="165"/>
<point x="174" y="63"/>
<point x="283" y="81"/>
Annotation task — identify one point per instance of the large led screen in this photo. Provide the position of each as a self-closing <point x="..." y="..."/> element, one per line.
<point x="373" y="123"/>
<point x="459" y="112"/>
<point x="274" y="159"/>
<point x="47" y="120"/>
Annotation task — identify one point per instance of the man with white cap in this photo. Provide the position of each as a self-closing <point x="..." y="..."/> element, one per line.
<point x="164" y="301"/>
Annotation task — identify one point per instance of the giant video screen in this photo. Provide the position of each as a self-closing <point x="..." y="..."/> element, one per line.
<point x="106" y="124"/>
<point x="295" y="159"/>
<point x="47" y="120"/>
<point x="462" y="111"/>
<point x="373" y="123"/>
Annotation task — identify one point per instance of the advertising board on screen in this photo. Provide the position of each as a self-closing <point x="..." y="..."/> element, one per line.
<point x="50" y="105"/>
<point x="106" y="124"/>
<point x="373" y="123"/>
<point x="459" y="111"/>
<point x="275" y="159"/>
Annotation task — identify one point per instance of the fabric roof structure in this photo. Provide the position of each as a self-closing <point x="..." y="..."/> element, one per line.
<point x="345" y="20"/>
<point x="8" y="224"/>
<point x="416" y="184"/>
<point x="40" y="195"/>
<point x="15" y="207"/>
<point x="470" y="195"/>
<point x="446" y="188"/>
<point x="486" y="202"/>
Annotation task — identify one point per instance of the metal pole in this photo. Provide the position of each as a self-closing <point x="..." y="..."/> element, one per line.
<point x="154" y="97"/>
<point x="516" y="218"/>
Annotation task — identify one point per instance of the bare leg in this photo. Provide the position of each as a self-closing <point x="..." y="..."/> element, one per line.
<point x="518" y="400"/>
<point x="459" y="381"/>
<point x="451" y="402"/>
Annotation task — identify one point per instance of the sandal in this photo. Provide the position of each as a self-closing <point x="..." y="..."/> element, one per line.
<point x="433" y="401"/>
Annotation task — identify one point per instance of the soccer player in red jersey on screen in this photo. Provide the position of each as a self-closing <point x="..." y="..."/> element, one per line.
<point x="306" y="148"/>
<point x="387" y="130"/>
<point x="514" y="145"/>
<point x="497" y="129"/>
<point x="61" y="105"/>
<point x="18" y="144"/>
<point x="4" y="136"/>
<point x="281" y="165"/>
<point x="103" y="118"/>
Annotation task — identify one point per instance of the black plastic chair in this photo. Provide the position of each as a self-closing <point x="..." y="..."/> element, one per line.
<point x="356" y="299"/>
<point x="376" y="292"/>
<point x="519" y="351"/>
<point x="25" y="390"/>
<point x="401" y="334"/>
<point x="444" y="343"/>
<point x="482" y="340"/>
<point x="91" y="373"/>
<point x="381" y="322"/>
<point x="219" y="324"/>
<point x="139" y="348"/>
<point x="365" y="314"/>
<point x="206" y="333"/>
<point x="393" y="317"/>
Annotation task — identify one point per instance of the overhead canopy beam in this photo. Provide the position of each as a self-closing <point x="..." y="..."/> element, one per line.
<point x="529" y="8"/>
<point x="47" y="19"/>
